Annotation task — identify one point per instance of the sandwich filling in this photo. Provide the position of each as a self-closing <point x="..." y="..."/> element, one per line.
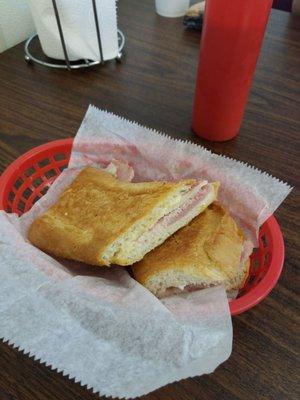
<point x="192" y="201"/>
<point x="194" y="196"/>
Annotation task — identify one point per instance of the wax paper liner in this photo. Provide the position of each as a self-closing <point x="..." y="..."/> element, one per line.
<point x="99" y="325"/>
<point x="250" y="195"/>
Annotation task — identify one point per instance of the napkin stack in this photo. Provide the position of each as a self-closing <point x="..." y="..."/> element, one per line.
<point x="78" y="26"/>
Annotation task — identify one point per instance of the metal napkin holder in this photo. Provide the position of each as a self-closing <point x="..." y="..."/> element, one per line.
<point x="75" y="64"/>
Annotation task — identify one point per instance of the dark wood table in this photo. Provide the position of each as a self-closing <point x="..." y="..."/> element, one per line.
<point x="154" y="85"/>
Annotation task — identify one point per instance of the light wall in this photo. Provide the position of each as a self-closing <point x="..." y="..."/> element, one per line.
<point x="296" y="7"/>
<point x="15" y="23"/>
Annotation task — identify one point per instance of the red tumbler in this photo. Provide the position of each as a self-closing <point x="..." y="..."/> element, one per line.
<point x="231" y="40"/>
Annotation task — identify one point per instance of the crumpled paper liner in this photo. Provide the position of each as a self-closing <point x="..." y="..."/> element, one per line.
<point x="99" y="325"/>
<point x="103" y="328"/>
<point x="249" y="194"/>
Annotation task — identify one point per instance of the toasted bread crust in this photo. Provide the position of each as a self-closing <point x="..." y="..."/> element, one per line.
<point x="94" y="211"/>
<point x="208" y="250"/>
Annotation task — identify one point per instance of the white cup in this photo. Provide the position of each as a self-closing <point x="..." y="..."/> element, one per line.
<point x="171" y="8"/>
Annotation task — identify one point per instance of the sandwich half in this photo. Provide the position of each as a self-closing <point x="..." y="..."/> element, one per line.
<point x="101" y="221"/>
<point x="209" y="251"/>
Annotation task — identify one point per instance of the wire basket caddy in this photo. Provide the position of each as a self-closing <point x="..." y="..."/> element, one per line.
<point x="29" y="57"/>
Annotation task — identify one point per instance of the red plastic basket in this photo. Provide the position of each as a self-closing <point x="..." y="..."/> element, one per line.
<point x="29" y="177"/>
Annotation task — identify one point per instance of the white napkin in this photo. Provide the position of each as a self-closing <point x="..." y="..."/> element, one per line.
<point x="78" y="25"/>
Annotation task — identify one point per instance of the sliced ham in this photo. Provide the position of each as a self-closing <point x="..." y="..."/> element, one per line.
<point x="121" y="170"/>
<point x="186" y="207"/>
<point x="191" y="200"/>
